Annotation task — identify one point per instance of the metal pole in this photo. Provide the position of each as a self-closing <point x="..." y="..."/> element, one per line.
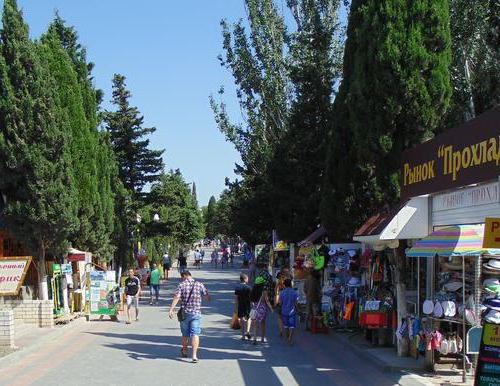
<point x="464" y="344"/>
<point x="418" y="288"/>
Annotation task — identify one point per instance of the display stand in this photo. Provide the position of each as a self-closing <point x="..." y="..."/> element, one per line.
<point x="101" y="293"/>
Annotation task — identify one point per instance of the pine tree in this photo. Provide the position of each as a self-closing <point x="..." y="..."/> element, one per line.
<point x="34" y="160"/>
<point x="138" y="165"/>
<point x="210" y="217"/>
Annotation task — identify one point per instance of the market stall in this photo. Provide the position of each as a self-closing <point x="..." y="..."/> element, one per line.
<point x="465" y="283"/>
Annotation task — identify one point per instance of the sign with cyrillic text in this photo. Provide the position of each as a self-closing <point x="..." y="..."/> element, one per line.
<point x="12" y="273"/>
<point x="467" y="154"/>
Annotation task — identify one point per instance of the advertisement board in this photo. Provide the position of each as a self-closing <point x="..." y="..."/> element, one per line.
<point x="12" y="273"/>
<point x="465" y="155"/>
<point x="103" y="293"/>
<point x="488" y="363"/>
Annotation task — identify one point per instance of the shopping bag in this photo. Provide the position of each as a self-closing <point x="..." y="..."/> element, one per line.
<point x="235" y="322"/>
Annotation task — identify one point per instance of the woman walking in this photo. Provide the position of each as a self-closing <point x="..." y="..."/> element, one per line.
<point x="260" y="307"/>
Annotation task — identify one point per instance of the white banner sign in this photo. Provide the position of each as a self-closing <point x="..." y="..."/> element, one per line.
<point x="463" y="198"/>
<point x="12" y="271"/>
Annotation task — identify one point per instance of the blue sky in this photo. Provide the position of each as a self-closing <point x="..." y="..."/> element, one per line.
<point x="168" y="52"/>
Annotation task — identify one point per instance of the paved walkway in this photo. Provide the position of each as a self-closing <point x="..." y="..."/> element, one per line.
<point x="147" y="352"/>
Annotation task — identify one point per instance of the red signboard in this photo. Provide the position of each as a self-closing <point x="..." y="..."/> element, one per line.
<point x="76" y="257"/>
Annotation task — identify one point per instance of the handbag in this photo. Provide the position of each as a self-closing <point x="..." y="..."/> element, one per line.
<point x="181" y="314"/>
<point x="253" y="311"/>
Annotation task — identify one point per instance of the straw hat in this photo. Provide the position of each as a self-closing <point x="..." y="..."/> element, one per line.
<point x="453" y="286"/>
<point x="493" y="264"/>
<point x="455" y="264"/>
<point x="493" y="317"/>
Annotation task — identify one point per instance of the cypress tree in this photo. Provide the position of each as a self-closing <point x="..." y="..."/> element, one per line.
<point x="393" y="96"/>
<point x="40" y="209"/>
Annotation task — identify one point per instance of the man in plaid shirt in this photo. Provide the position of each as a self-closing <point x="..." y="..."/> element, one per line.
<point x="189" y="293"/>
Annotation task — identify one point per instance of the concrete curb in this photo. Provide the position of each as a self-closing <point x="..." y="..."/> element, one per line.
<point x="382" y="365"/>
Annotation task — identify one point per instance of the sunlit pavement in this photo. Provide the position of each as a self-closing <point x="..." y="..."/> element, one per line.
<point x="147" y="352"/>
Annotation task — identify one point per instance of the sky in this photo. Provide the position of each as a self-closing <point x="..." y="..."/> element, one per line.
<point x="168" y="52"/>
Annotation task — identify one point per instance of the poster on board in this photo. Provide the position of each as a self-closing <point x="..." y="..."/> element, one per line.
<point x="12" y="273"/>
<point x="488" y="364"/>
<point x="103" y="293"/>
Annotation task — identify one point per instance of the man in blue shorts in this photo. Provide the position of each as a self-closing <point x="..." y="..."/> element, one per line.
<point x="288" y="301"/>
<point x="190" y="294"/>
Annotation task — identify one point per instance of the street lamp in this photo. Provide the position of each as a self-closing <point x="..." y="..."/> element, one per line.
<point x="156" y="217"/>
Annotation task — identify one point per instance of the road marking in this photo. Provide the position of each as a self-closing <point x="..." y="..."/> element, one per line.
<point x="285" y="376"/>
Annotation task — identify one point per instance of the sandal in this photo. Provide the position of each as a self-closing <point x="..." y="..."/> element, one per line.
<point x="184" y="353"/>
<point x="195" y="360"/>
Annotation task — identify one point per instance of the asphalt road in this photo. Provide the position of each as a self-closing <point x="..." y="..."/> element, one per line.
<point x="147" y="352"/>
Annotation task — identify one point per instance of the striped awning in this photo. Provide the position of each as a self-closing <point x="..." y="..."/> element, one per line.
<point x="458" y="240"/>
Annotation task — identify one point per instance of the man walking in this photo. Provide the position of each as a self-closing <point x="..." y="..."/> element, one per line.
<point x="154" y="284"/>
<point x="167" y="263"/>
<point x="182" y="261"/>
<point x="189" y="293"/>
<point x="132" y="292"/>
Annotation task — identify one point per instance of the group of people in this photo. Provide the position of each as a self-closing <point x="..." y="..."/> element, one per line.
<point x="254" y="303"/>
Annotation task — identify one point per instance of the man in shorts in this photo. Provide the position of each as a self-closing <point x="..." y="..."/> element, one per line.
<point x="132" y="291"/>
<point x="288" y="300"/>
<point x="190" y="294"/>
<point x="242" y="295"/>
<point x="167" y="264"/>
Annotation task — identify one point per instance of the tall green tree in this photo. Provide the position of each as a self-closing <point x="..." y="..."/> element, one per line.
<point x="179" y="217"/>
<point x="296" y="171"/>
<point x="93" y="163"/>
<point x="476" y="58"/>
<point x="210" y="217"/>
<point x="40" y="209"/>
<point x="393" y="96"/>
<point x="138" y="164"/>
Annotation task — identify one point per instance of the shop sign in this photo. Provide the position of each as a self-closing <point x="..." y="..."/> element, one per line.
<point x="491" y="237"/>
<point x="488" y="365"/>
<point x="12" y="273"/>
<point x="463" y="198"/>
<point x="462" y="156"/>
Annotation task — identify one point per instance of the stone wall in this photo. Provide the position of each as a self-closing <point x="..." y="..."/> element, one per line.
<point x="7" y="328"/>
<point x="36" y="312"/>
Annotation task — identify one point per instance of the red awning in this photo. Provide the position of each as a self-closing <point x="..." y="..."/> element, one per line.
<point x="377" y="223"/>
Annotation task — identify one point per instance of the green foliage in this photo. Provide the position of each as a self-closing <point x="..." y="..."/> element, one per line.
<point x="395" y="91"/>
<point x="138" y="165"/>
<point x="210" y="218"/>
<point x="34" y="145"/>
<point x="179" y="218"/>
<point x="475" y="35"/>
<point x="285" y="83"/>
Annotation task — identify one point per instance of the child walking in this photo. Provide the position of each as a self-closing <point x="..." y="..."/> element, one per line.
<point x="288" y="301"/>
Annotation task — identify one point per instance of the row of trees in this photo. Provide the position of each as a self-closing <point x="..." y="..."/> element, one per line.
<point x="73" y="174"/>
<point x="327" y="108"/>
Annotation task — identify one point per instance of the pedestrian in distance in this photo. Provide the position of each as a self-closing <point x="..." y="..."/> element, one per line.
<point x="154" y="284"/>
<point x="132" y="292"/>
<point x="243" y="305"/>
<point x="182" y="261"/>
<point x="189" y="293"/>
<point x="288" y="301"/>
<point x="214" y="256"/>
<point x="197" y="259"/>
<point x="280" y="286"/>
<point x="167" y="264"/>
<point x="261" y="306"/>
<point x="312" y="290"/>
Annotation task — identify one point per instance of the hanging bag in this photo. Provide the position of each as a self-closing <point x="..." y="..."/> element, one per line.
<point x="253" y="311"/>
<point x="181" y="314"/>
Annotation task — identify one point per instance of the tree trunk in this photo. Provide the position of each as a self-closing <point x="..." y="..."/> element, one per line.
<point x="43" y="289"/>
<point x="400" y="260"/>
